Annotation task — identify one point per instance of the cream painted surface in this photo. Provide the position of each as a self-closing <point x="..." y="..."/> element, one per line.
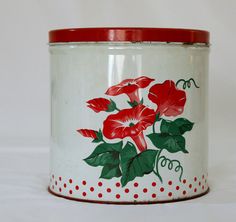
<point x="80" y="72"/>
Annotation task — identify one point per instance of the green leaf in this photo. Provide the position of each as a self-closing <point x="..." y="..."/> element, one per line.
<point x="176" y="127"/>
<point x="111" y="106"/>
<point x="109" y="171"/>
<point x="184" y="125"/>
<point x="154" y="139"/>
<point x="141" y="101"/>
<point x="105" y="153"/>
<point x="96" y="141"/>
<point x="99" y="137"/>
<point x="133" y="104"/>
<point x="103" y="159"/>
<point x="105" y="147"/>
<point x="169" y="127"/>
<point x="135" y="165"/>
<point x="128" y="151"/>
<point x="172" y="143"/>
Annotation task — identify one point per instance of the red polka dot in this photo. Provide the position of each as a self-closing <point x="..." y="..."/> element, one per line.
<point x="190" y="186"/>
<point x="195" y="190"/>
<point x="70" y="180"/>
<point x="60" y="178"/>
<point x="135" y="184"/>
<point x="100" y="195"/>
<point x="108" y="190"/>
<point x="126" y="190"/>
<point x="162" y="189"/>
<point x="53" y="176"/>
<point x="64" y="185"/>
<point x="177" y="188"/>
<point x="55" y="182"/>
<point x="154" y="184"/>
<point x="59" y="189"/>
<point x="77" y="187"/>
<point x="53" y="187"/>
<point x="202" y="176"/>
<point x="184" y="192"/>
<point x="135" y="196"/>
<point x="184" y="181"/>
<point x="203" y="187"/>
<point x="117" y="184"/>
<point x="154" y="195"/>
<point x="145" y="190"/>
<point x="84" y="194"/>
<point x="170" y="182"/>
<point x="70" y="191"/>
<point x="91" y="189"/>
<point x="195" y="179"/>
<point x="117" y="196"/>
<point x="170" y="194"/>
<point x="84" y="182"/>
<point x="99" y="184"/>
<point x="199" y="184"/>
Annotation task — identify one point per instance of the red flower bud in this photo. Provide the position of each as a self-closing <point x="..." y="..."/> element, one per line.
<point x="99" y="104"/>
<point x="88" y="133"/>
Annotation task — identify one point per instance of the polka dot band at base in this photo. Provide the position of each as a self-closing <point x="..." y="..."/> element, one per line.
<point x="155" y="191"/>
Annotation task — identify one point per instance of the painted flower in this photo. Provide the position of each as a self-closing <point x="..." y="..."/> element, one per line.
<point x="169" y="99"/>
<point x="101" y="104"/>
<point x="130" y="87"/>
<point x="88" y="133"/>
<point x="130" y="123"/>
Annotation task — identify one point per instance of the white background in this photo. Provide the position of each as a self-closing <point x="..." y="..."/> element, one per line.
<point x="24" y="103"/>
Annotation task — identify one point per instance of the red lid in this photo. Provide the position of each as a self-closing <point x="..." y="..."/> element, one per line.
<point x="119" y="34"/>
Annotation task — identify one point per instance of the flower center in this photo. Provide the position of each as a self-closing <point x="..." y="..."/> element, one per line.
<point x="130" y="83"/>
<point x="130" y="123"/>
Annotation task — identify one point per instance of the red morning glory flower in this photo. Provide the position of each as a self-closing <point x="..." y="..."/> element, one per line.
<point x="101" y="104"/>
<point x="130" y="123"/>
<point x="130" y="87"/>
<point x="88" y="133"/>
<point x="170" y="100"/>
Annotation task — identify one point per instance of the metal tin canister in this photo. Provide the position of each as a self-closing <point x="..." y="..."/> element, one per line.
<point x="129" y="114"/>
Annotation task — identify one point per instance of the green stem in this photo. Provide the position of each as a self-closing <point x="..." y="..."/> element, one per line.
<point x="153" y="127"/>
<point x="187" y="83"/>
<point x="194" y="82"/>
<point x="158" y="175"/>
<point x="157" y="170"/>
<point x="170" y="164"/>
<point x="117" y="109"/>
<point x="157" y="157"/>
<point x="180" y="80"/>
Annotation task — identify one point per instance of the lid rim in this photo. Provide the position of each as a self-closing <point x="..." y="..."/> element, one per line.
<point x="129" y="34"/>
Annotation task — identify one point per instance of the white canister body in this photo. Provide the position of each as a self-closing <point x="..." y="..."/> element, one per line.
<point x="129" y="121"/>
